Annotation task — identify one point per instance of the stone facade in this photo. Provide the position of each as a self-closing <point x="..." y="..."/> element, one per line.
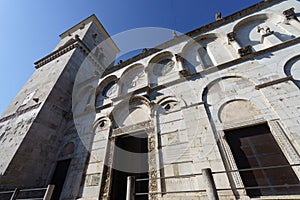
<point x="177" y="107"/>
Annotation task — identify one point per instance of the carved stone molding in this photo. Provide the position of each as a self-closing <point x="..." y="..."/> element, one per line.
<point x="286" y="146"/>
<point x="243" y="123"/>
<point x="283" y="141"/>
<point x="153" y="186"/>
<point x="107" y="175"/>
<point x="75" y="43"/>
<point x="55" y="54"/>
<point x="230" y="160"/>
<point x="147" y="126"/>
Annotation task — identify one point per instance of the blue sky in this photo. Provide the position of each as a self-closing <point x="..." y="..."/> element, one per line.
<point x="30" y="28"/>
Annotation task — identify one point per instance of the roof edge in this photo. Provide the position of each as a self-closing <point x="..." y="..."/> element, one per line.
<point x="89" y="19"/>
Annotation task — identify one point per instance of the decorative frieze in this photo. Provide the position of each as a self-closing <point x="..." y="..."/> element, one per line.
<point x="133" y="128"/>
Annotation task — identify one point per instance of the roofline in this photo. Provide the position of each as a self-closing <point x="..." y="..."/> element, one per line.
<point x="237" y="15"/>
<point x="99" y="25"/>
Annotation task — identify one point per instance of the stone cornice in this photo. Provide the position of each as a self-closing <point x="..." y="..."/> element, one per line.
<point x="75" y="43"/>
<point x="55" y="54"/>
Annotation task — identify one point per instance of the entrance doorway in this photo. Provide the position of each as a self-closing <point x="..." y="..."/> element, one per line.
<point x="59" y="177"/>
<point x="270" y="174"/>
<point x="130" y="159"/>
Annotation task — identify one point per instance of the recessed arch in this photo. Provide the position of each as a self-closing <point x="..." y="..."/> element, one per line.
<point x="247" y="30"/>
<point x="132" y="78"/>
<point x="169" y="103"/>
<point x="107" y="88"/>
<point x="101" y="123"/>
<point x="131" y="111"/>
<point x="205" y="51"/>
<point x="159" y="56"/>
<point x="213" y="82"/>
<point x="247" y="110"/>
<point x="160" y="66"/>
<point x="292" y="68"/>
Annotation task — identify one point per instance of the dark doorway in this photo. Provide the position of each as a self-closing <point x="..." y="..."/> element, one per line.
<point x="134" y="163"/>
<point x="255" y="147"/>
<point x="59" y="177"/>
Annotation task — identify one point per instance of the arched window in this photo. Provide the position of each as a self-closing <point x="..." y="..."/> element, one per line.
<point x="134" y="77"/>
<point x="163" y="67"/>
<point x="108" y="88"/>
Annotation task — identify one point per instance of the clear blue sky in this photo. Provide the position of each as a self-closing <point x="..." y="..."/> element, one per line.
<point x="30" y="28"/>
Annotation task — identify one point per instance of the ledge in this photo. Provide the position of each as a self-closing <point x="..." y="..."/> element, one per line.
<point x="17" y="113"/>
<point x="273" y="82"/>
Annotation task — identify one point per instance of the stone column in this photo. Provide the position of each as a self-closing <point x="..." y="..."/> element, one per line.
<point x="267" y="36"/>
<point x="130" y="192"/>
<point x="210" y="186"/>
<point x="232" y="41"/>
<point x="295" y="23"/>
<point x="181" y="69"/>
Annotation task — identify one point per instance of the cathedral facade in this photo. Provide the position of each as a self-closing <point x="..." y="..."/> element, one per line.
<point x="211" y="114"/>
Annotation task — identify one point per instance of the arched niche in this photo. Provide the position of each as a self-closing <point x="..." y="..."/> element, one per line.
<point x="292" y="68"/>
<point x="226" y="87"/>
<point x="261" y="31"/>
<point x="238" y="110"/>
<point x="108" y="88"/>
<point x="101" y="123"/>
<point x="160" y="66"/>
<point x="133" y="111"/>
<point x="132" y="78"/>
<point x="169" y="103"/>
<point x="222" y="98"/>
<point x="205" y="51"/>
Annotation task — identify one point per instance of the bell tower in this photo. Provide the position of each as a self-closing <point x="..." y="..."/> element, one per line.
<point x="33" y="126"/>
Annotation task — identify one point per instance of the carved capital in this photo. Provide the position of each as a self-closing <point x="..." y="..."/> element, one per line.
<point x="231" y="36"/>
<point x="245" y="50"/>
<point x="290" y="14"/>
<point x="179" y="58"/>
<point x="184" y="72"/>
